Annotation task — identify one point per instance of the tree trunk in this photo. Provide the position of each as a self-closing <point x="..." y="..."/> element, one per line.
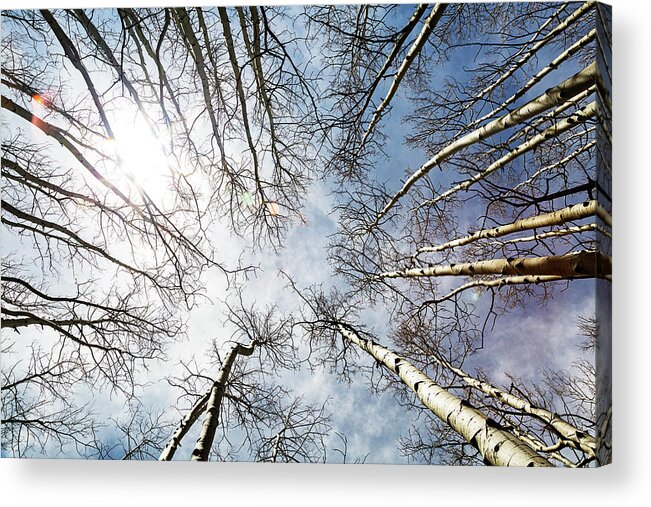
<point x="555" y="130"/>
<point x="430" y="23"/>
<point x="186" y="423"/>
<point x="562" y="216"/>
<point x="554" y="64"/>
<point x="570" y="434"/>
<point x="574" y="264"/>
<point x="497" y="446"/>
<point x="207" y="435"/>
<point x="507" y="280"/>
<point x="551" y="98"/>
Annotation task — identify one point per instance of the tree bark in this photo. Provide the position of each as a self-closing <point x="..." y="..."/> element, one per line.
<point x="570" y="434"/>
<point x="497" y="446"/>
<point x="411" y="24"/>
<point x="562" y="216"/>
<point x="569" y="265"/>
<point x="186" y="423"/>
<point x="207" y="435"/>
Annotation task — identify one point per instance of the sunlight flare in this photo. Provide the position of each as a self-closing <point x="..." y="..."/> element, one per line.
<point x="140" y="153"/>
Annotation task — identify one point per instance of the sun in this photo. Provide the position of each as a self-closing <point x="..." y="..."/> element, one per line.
<point x="140" y="153"/>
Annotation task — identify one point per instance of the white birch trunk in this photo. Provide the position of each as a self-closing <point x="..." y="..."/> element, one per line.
<point x="555" y="234"/>
<point x="209" y="427"/>
<point x="392" y="55"/>
<point x="569" y="214"/>
<point x="428" y="27"/>
<point x="560" y="163"/>
<point x="571" y="19"/>
<point x="551" y="98"/>
<point x="497" y="446"/>
<point x="554" y="64"/>
<point x="574" y="264"/>
<point x="570" y="434"/>
<point x="186" y="423"/>
<point x="579" y="117"/>
<point x="539" y="446"/>
<point x="507" y="280"/>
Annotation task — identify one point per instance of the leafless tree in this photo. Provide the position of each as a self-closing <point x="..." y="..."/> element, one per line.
<point x="242" y="407"/>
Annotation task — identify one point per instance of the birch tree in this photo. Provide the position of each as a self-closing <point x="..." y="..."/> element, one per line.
<point x="470" y="420"/>
<point x="555" y="414"/>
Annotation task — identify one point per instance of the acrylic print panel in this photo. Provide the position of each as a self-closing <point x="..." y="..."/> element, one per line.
<point x="340" y="234"/>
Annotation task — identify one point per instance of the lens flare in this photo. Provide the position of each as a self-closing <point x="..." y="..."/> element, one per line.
<point x="39" y="105"/>
<point x="273" y="208"/>
<point x="247" y="199"/>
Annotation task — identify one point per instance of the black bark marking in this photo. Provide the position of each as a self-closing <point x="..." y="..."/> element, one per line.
<point x="492" y="423"/>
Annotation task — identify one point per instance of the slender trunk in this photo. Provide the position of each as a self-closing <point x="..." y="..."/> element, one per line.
<point x="207" y="435"/>
<point x="94" y="34"/>
<point x="414" y="51"/>
<point x="140" y="39"/>
<point x="497" y="446"/>
<point x="558" y="29"/>
<point x="556" y="234"/>
<point x="254" y="51"/>
<point x="584" y="263"/>
<point x="554" y="64"/>
<point x="276" y="447"/>
<point x="230" y="45"/>
<point x="185" y="27"/>
<point x="568" y="123"/>
<point x="186" y="423"/>
<point x="74" y="57"/>
<point x="570" y="434"/>
<point x="551" y="98"/>
<point x="507" y="280"/>
<point x="99" y="41"/>
<point x="562" y="216"/>
<point x="411" y="24"/>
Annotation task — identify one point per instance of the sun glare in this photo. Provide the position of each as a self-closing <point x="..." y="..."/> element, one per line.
<point x="141" y="154"/>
